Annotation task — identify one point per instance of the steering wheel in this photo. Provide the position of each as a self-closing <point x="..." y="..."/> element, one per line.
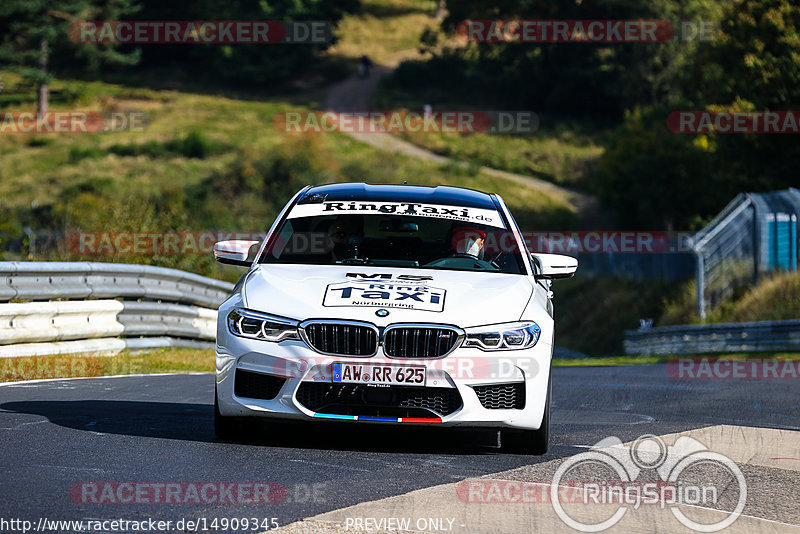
<point x="483" y="264"/>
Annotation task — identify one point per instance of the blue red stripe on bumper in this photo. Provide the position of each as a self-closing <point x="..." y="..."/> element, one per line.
<point x="380" y="419"/>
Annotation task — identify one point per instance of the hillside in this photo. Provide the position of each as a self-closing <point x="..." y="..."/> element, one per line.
<point x="202" y="162"/>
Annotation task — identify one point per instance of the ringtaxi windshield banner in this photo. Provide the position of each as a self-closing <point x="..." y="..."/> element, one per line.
<point x="413" y="209"/>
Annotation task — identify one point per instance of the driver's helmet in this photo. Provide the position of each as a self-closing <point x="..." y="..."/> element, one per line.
<point x="468" y="240"/>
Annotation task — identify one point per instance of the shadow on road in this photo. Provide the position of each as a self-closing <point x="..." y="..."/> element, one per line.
<point x="193" y="422"/>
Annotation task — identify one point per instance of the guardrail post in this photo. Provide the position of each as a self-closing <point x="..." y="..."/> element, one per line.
<point x="701" y="286"/>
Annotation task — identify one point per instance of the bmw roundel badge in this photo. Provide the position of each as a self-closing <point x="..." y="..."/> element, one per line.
<point x="382" y="313"/>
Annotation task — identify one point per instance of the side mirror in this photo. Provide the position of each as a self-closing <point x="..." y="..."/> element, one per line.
<point x="234" y="252"/>
<point x="554" y="266"/>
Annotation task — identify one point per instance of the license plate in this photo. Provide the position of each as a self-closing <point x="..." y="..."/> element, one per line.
<point x="365" y="373"/>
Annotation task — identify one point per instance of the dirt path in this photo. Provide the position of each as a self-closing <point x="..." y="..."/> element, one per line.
<point x="354" y="94"/>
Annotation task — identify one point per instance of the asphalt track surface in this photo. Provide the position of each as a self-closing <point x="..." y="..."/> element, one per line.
<point x="56" y="434"/>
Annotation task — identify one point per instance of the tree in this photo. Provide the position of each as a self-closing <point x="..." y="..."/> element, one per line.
<point x="756" y="59"/>
<point x="650" y="175"/>
<point x="249" y="65"/>
<point x="35" y="30"/>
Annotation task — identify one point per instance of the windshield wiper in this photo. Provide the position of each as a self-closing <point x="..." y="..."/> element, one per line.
<point x="355" y="261"/>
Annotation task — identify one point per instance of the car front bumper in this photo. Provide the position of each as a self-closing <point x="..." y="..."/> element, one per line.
<point x="295" y="363"/>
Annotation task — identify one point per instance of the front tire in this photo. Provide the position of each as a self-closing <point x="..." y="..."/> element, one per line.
<point x="531" y="441"/>
<point x="225" y="427"/>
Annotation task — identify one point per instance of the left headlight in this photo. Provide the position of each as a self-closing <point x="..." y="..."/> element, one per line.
<point x="506" y="336"/>
<point x="257" y="325"/>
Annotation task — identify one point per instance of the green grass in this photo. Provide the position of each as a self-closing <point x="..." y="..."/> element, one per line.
<point x="775" y="298"/>
<point x="562" y="152"/>
<point x="564" y="158"/>
<point x="169" y="360"/>
<point x="385" y="30"/>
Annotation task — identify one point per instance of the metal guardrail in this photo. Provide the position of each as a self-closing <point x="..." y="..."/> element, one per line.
<point x="71" y="326"/>
<point x="90" y="280"/>
<point x="763" y="336"/>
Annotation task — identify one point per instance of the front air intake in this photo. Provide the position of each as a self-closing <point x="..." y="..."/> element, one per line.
<point x="420" y="341"/>
<point x="253" y="385"/>
<point x="341" y="338"/>
<point x="502" y="396"/>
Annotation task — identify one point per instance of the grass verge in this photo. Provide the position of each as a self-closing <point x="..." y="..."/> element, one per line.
<point x="168" y="360"/>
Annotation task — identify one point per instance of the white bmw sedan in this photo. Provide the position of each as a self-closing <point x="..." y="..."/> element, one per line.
<point x="390" y="304"/>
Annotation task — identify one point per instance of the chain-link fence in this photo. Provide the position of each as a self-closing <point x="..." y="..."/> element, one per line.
<point x="754" y="234"/>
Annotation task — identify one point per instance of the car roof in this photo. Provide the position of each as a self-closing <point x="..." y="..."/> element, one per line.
<point x="442" y="194"/>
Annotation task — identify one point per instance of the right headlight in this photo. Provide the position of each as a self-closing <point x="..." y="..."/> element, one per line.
<point x="256" y="325"/>
<point x="505" y="336"/>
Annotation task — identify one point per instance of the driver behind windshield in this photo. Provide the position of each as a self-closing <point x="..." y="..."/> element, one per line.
<point x="344" y="236"/>
<point x="468" y="240"/>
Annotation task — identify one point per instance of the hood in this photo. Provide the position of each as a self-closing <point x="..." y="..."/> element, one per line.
<point x="357" y="292"/>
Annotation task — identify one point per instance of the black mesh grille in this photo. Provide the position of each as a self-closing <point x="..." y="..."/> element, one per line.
<point x="323" y="397"/>
<point x="502" y="396"/>
<point x="256" y="385"/>
<point x="345" y="339"/>
<point x="417" y="342"/>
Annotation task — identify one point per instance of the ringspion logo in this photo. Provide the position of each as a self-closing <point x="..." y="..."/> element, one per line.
<point x="676" y="466"/>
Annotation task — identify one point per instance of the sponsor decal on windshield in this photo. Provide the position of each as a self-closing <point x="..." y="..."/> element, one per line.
<point x="438" y="211"/>
<point x="410" y="296"/>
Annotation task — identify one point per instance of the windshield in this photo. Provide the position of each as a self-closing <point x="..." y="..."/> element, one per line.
<point x="395" y="235"/>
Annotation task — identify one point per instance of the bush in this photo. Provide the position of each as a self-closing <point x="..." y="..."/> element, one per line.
<point x="592" y="313"/>
<point x="76" y="154"/>
<point x="193" y="145"/>
<point x="40" y="141"/>
<point x="653" y="178"/>
<point x="254" y="188"/>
